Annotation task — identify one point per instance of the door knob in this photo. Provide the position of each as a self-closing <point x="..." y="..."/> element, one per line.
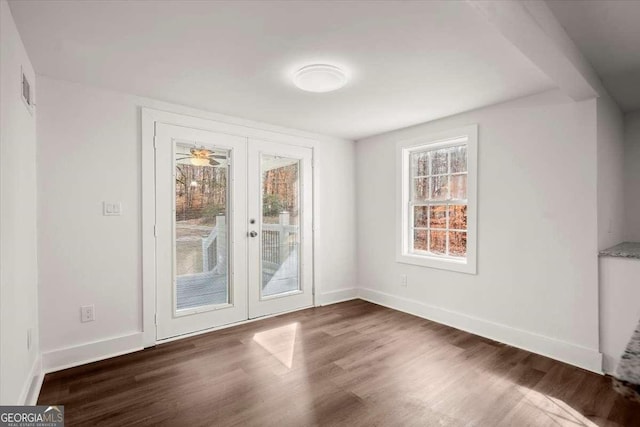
<point x="253" y="234"/>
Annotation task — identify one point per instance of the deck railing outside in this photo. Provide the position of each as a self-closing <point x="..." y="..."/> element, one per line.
<point x="278" y="241"/>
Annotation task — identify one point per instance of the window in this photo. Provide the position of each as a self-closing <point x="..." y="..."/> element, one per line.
<point x="437" y="212"/>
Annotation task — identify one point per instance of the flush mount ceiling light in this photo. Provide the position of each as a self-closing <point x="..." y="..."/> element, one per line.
<point x="320" y="78"/>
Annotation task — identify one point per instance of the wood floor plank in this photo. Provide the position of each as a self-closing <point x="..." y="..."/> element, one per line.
<point x="351" y="364"/>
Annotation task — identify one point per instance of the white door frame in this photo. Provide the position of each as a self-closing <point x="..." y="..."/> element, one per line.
<point x="242" y="128"/>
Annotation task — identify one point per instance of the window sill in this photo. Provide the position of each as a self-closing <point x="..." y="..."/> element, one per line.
<point x="442" y="263"/>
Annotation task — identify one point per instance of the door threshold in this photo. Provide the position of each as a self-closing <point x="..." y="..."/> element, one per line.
<point x="228" y="325"/>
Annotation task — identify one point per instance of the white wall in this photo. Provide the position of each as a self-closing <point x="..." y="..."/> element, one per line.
<point x="18" y="262"/>
<point x="537" y="281"/>
<point x="632" y="176"/>
<point x="611" y="199"/>
<point x="89" y="148"/>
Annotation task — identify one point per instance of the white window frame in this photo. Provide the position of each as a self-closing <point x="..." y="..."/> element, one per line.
<point x="432" y="141"/>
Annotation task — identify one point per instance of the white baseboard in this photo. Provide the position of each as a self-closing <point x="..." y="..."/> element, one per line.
<point x="57" y="360"/>
<point x="31" y="390"/>
<point x="586" y="358"/>
<point x="340" y="295"/>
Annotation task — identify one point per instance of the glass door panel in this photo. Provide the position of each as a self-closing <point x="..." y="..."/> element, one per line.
<point x="201" y="228"/>
<point x="280" y="260"/>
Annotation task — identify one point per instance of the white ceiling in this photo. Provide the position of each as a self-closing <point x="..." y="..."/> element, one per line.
<point x="410" y="61"/>
<point x="608" y="35"/>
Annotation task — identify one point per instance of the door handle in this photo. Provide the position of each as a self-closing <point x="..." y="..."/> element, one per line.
<point x="253" y="234"/>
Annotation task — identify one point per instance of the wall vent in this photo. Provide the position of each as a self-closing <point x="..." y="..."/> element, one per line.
<point x="27" y="92"/>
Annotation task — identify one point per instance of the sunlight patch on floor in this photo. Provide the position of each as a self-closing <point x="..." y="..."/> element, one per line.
<point x="545" y="409"/>
<point x="280" y="342"/>
<point x="524" y="405"/>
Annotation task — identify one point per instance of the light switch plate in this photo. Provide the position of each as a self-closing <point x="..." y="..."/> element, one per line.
<point x="111" y="208"/>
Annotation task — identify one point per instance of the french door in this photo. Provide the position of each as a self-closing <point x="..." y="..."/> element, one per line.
<point x="280" y="249"/>
<point x="233" y="229"/>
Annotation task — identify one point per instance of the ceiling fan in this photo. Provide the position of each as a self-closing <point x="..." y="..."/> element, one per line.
<point x="203" y="157"/>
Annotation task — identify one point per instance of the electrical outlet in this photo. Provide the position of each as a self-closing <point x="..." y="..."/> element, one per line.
<point x="403" y="280"/>
<point x="87" y="313"/>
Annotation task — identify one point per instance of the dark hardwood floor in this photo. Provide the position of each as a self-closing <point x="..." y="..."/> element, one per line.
<point x="352" y="364"/>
